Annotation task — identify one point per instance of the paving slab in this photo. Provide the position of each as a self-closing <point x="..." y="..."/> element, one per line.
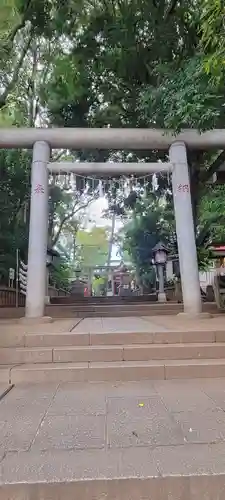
<point x="114" y="324"/>
<point x="21" y="413"/>
<point x="79" y="401"/>
<point x="190" y="400"/>
<point x="202" y="427"/>
<point x="71" y="432"/>
<point x="23" y="401"/>
<point x="129" y="431"/>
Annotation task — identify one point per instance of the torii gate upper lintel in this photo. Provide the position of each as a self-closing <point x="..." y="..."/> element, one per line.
<point x="110" y="138"/>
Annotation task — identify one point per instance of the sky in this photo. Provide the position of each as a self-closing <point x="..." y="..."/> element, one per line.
<point x="95" y="213"/>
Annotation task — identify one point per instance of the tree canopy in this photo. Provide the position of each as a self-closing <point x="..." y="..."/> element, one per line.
<point x="92" y="247"/>
<point x="117" y="63"/>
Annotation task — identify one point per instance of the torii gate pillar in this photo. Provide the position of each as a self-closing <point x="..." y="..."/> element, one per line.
<point x="185" y="230"/>
<point x="38" y="233"/>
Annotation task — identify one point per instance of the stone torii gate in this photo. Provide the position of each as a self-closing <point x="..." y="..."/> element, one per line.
<point x="43" y="140"/>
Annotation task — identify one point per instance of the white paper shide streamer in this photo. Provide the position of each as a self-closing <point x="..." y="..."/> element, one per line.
<point x="23" y="277"/>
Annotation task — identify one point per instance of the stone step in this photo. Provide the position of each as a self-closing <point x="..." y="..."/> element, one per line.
<point x="114" y="299"/>
<point x="68" y="311"/>
<point x="190" y="472"/>
<point x="107" y="312"/>
<point x="143" y="352"/>
<point x="113" y="371"/>
<point x="101" y="353"/>
<point x="121" y="314"/>
<point x="124" y="305"/>
<point x="120" y="338"/>
<point x="20" y="355"/>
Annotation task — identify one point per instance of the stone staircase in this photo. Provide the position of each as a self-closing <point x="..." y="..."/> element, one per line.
<point x="93" y="310"/>
<point x="106" y="310"/>
<point x="120" y="309"/>
<point x="80" y="357"/>
<point x="140" y="435"/>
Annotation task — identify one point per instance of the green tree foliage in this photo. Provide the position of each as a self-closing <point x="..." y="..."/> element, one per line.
<point x="138" y="64"/>
<point x="212" y="214"/>
<point x="91" y="247"/>
<point x="60" y="274"/>
<point x="98" y="285"/>
<point x="152" y="221"/>
<point x="118" y="63"/>
<point x="213" y="32"/>
<point x="67" y="208"/>
<point x="14" y="208"/>
<point x="185" y="98"/>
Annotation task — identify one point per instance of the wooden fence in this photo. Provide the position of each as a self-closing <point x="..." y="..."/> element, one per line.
<point x="8" y="296"/>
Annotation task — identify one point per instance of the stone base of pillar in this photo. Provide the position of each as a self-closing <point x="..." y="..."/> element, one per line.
<point x="47" y="300"/>
<point x="33" y="321"/>
<point x="162" y="297"/>
<point x="193" y="316"/>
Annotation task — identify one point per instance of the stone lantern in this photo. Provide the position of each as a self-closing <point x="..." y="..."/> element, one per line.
<point x="160" y="253"/>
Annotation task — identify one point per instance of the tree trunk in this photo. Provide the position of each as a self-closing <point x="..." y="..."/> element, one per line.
<point x="194" y="171"/>
<point x="110" y="251"/>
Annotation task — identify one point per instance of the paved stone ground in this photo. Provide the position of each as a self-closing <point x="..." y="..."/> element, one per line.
<point x="114" y="324"/>
<point x="124" y="324"/>
<point x="103" y="430"/>
<point x="149" y="324"/>
<point x="12" y="331"/>
<point x="57" y="326"/>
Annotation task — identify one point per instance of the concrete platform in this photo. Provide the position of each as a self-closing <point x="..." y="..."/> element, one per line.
<point x="161" y="440"/>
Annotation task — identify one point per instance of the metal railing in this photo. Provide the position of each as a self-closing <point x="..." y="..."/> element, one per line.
<point x="57" y="292"/>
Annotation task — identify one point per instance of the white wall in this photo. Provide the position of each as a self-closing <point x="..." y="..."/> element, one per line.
<point x="205" y="278"/>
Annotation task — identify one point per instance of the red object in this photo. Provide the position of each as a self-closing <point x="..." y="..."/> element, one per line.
<point x="222" y="248"/>
<point x="39" y="189"/>
<point x="86" y="294"/>
<point x="183" y="188"/>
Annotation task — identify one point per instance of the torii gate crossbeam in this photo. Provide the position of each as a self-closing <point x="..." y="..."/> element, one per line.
<point x="110" y="138"/>
<point x="108" y="169"/>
